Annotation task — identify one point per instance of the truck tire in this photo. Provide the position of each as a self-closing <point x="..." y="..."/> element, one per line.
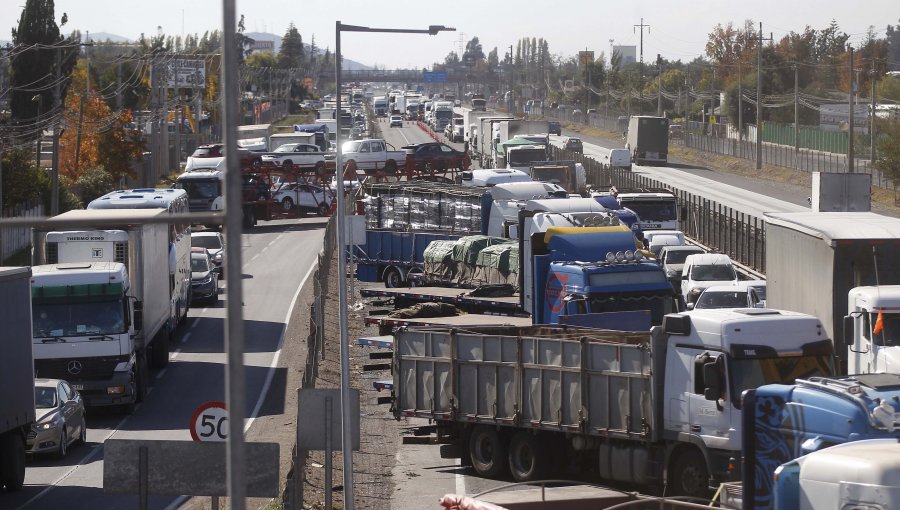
<point x="527" y="458"/>
<point x="141" y="376"/>
<point x="392" y="278"/>
<point x="689" y="475"/>
<point x="159" y="351"/>
<point x="12" y="461"/>
<point x="487" y="448"/>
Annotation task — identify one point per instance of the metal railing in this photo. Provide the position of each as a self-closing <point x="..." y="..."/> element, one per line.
<point x="14" y="239"/>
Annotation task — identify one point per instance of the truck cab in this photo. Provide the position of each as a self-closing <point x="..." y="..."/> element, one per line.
<point x="872" y="329"/>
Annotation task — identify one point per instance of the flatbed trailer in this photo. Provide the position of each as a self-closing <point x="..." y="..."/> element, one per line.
<point x="387" y="324"/>
<point x="505" y="305"/>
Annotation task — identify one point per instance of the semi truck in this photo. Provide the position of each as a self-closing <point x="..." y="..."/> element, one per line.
<point x="509" y="129"/>
<point x="17" y="412"/>
<point x="657" y="208"/>
<point x="485" y="146"/>
<point x="783" y="422"/>
<point x="843" y="267"/>
<point x="136" y="272"/>
<point x="652" y="408"/>
<point x="443" y="114"/>
<point x="648" y="140"/>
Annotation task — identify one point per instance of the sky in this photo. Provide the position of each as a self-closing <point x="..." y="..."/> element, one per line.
<point x="677" y="30"/>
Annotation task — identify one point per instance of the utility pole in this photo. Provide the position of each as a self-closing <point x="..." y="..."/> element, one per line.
<point x="54" y="176"/>
<point x="759" y="98"/>
<point x="850" y="152"/>
<point x="84" y="97"/>
<point x="872" y="118"/>
<point x="641" y="67"/>
<point x="658" y="85"/>
<point x="796" y="111"/>
<point x="740" y="107"/>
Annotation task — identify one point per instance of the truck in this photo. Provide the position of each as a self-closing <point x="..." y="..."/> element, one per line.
<point x="485" y="146"/>
<point x="653" y="408"/>
<point x="372" y="155"/>
<point x="657" y="208"/>
<point x="518" y="154"/>
<point x="254" y="137"/>
<point x="566" y="173"/>
<point x="380" y="106"/>
<point x="648" y="139"/>
<point x="843" y="267"/>
<point x="479" y="103"/>
<point x="509" y="129"/>
<point x="123" y="269"/>
<point x="17" y="413"/>
<point x="443" y="114"/>
<point x="783" y="422"/>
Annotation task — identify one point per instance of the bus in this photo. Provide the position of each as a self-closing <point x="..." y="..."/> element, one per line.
<point x="175" y="201"/>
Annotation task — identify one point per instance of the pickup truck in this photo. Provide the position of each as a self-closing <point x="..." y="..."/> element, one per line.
<point x="302" y="155"/>
<point x="371" y="155"/>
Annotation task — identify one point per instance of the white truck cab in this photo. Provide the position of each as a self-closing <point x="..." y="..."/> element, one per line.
<point x="873" y="349"/>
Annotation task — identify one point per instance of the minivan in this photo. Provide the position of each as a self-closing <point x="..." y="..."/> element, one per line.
<point x="705" y="270"/>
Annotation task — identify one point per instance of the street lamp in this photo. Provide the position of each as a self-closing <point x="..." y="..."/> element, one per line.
<point x="346" y="443"/>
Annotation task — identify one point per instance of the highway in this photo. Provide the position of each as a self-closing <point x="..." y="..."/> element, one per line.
<point x="274" y="269"/>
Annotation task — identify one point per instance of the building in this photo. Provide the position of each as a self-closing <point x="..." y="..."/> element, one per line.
<point x="629" y="54"/>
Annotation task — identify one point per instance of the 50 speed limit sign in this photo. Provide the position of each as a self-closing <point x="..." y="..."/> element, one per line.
<point x="210" y="422"/>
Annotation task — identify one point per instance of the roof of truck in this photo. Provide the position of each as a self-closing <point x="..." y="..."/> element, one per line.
<point x="726" y="327"/>
<point x="871" y="461"/>
<point x="835" y="226"/>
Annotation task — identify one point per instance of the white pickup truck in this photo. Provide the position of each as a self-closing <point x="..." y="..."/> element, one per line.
<point x="302" y="155"/>
<point x="371" y="155"/>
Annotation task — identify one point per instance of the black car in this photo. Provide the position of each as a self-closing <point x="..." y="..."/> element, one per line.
<point x="573" y="144"/>
<point x="554" y="128"/>
<point x="439" y="155"/>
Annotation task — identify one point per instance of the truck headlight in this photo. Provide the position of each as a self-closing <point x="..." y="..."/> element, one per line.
<point x="115" y="390"/>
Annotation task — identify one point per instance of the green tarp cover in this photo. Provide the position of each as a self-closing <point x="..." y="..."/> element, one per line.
<point x="438" y="263"/>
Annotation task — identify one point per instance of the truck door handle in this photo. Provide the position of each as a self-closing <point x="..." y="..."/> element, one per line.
<point x="695" y="428"/>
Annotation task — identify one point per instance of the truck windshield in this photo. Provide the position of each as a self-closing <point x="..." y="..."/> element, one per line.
<point x="889" y="333"/>
<point x="751" y="373"/>
<point x="525" y="157"/>
<point x="200" y="188"/>
<point x="658" y="305"/>
<point x="651" y="211"/>
<point x="80" y="318"/>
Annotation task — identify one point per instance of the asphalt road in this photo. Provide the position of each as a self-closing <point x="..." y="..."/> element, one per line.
<point x="277" y="257"/>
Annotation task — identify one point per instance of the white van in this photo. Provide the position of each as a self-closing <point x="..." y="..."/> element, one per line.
<point x="656" y="244"/>
<point x="619" y="158"/>
<point x="705" y="270"/>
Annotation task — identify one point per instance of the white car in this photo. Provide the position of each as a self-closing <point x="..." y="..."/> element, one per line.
<point x="305" y="196"/>
<point x="727" y="296"/>
<point x="214" y="242"/>
<point x="302" y="155"/>
<point x="705" y="270"/>
<point x="396" y="121"/>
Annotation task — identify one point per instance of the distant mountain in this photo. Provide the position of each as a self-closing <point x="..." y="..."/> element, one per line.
<point x="104" y="36"/>
<point x="349" y="65"/>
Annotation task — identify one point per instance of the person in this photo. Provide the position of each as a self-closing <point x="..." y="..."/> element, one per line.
<point x="109" y="320"/>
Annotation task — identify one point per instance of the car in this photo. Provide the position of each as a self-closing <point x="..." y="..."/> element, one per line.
<point x="307" y="197"/>
<point x="573" y="144"/>
<point x="204" y="279"/>
<point x="705" y="270"/>
<point x="212" y="154"/>
<point x="726" y="296"/>
<point x="302" y="155"/>
<point x="760" y="287"/>
<point x="554" y="128"/>
<point x="396" y="121"/>
<point x="59" y="412"/>
<point x="439" y="155"/>
<point x="676" y="132"/>
<point x="214" y="242"/>
<point x="673" y="257"/>
<point x="618" y="158"/>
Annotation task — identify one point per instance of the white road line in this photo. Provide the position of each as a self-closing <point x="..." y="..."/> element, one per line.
<point x="184" y="338"/>
<point x="460" y="479"/>
<point x="254" y="257"/>
<point x="175" y="354"/>
<point x="269" y="376"/>
<point x="194" y="324"/>
<point x="160" y="374"/>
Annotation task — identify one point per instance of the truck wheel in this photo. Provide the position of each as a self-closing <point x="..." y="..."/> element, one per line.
<point x="488" y="451"/>
<point x="140" y="377"/>
<point x="689" y="475"/>
<point x="527" y="461"/>
<point x="159" y="351"/>
<point x="392" y="278"/>
<point x="12" y="461"/>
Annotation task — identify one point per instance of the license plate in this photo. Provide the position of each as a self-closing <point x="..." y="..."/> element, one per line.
<point x="79" y="387"/>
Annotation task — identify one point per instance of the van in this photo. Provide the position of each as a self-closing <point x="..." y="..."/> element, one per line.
<point x="705" y="270"/>
<point x="493" y="177"/>
<point x="619" y="158"/>
<point x="657" y="243"/>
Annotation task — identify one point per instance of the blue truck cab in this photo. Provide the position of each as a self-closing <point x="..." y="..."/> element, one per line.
<point x="597" y="270"/>
<point x="785" y="422"/>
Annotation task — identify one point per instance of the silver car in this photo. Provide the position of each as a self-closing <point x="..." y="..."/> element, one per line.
<point x="60" y="418"/>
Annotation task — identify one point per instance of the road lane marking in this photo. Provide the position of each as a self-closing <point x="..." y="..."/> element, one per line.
<point x="160" y="374"/>
<point x="184" y="338"/>
<point x="460" y="478"/>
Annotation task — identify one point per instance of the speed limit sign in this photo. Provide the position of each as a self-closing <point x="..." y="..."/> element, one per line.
<point x="210" y="422"/>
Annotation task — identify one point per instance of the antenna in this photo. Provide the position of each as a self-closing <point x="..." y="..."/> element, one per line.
<point x="875" y="263"/>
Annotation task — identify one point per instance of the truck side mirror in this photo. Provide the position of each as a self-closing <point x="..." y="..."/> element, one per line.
<point x="138" y="315"/>
<point x="849" y="329"/>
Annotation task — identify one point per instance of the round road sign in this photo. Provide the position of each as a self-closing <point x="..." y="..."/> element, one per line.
<point x="210" y="422"/>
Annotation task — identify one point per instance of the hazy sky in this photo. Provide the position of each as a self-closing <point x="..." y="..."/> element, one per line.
<point x="678" y="29"/>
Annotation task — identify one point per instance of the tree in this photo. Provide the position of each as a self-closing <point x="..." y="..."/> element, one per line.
<point x="34" y="70"/>
<point x="892" y="35"/>
<point x="451" y="59"/>
<point x="244" y="43"/>
<point x="889" y="149"/>
<point x="119" y="147"/>
<point x="473" y="53"/>
<point x="291" y="53"/>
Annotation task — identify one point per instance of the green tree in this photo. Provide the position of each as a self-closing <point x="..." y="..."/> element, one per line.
<point x="451" y="59"/>
<point x="473" y="54"/>
<point x="291" y="54"/>
<point x="889" y="149"/>
<point x="34" y="70"/>
<point x="94" y="182"/>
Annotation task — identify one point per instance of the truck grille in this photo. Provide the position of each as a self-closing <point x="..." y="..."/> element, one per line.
<point x="199" y="205"/>
<point x="77" y="369"/>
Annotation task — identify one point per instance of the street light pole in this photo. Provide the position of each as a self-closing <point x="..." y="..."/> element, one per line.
<point x="340" y="234"/>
